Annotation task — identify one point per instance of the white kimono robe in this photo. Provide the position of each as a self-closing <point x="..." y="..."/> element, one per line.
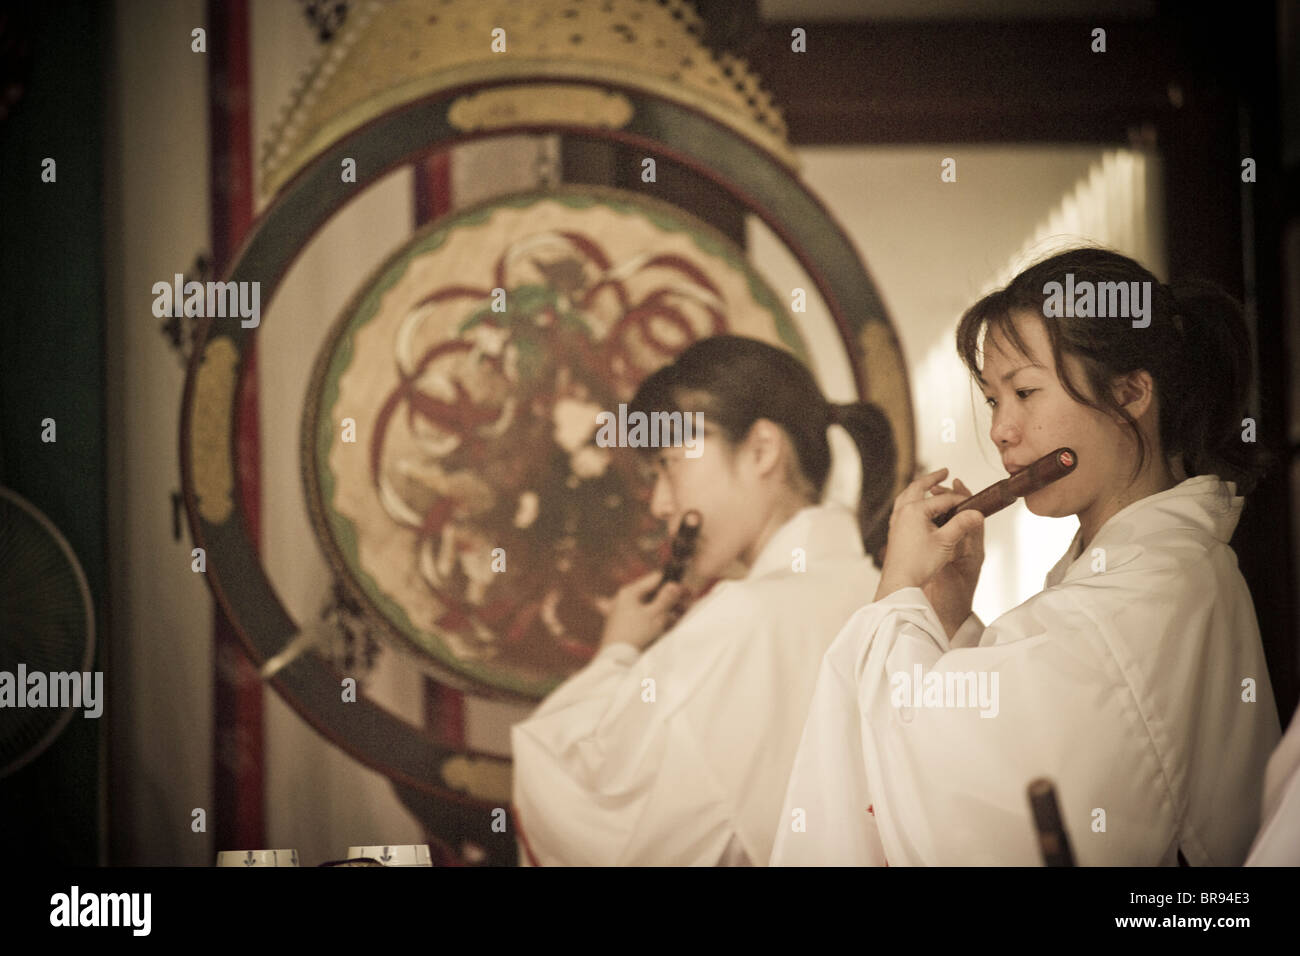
<point x="606" y="774"/>
<point x="1124" y="686"/>
<point x="1278" y="840"/>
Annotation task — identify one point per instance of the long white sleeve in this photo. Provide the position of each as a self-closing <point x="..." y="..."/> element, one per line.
<point x="826" y="820"/>
<point x="949" y="782"/>
<point x="1158" y="757"/>
<point x="605" y="774"/>
<point x="681" y="755"/>
<point x="1278" y="840"/>
<point x="1135" y="681"/>
<point x="610" y="746"/>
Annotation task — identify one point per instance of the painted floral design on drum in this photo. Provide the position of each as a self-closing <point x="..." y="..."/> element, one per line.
<point x="492" y="527"/>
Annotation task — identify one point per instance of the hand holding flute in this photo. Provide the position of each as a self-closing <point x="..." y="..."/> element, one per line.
<point x="680" y="552"/>
<point x="936" y="541"/>
<point x="1051" y="467"/>
<point x="647" y="607"/>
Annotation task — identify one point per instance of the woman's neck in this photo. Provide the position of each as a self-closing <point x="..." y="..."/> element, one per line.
<point x="1153" y="480"/>
<point x="782" y="511"/>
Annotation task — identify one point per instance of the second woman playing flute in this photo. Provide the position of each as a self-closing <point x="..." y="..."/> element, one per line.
<point x="673" y="746"/>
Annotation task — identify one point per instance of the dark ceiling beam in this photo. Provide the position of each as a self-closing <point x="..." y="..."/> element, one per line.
<point x="943" y="82"/>
<point x="728" y="24"/>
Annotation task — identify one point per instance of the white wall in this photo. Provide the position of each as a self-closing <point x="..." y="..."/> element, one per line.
<point x="159" y="673"/>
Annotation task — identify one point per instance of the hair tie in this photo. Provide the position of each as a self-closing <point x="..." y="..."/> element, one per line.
<point x="1176" y="314"/>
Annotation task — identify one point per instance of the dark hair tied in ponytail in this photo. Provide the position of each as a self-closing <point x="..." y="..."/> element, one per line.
<point x="873" y="435"/>
<point x="735" y="381"/>
<point x="1208" y="398"/>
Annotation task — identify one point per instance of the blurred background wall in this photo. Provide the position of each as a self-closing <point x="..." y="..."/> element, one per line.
<point x="53" y="343"/>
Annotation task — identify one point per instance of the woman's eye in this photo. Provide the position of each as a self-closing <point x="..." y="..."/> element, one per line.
<point x="1022" y="393"/>
<point x="990" y="402"/>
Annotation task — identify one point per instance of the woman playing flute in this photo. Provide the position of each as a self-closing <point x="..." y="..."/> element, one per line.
<point x="674" y="745"/>
<point x="1135" y="681"/>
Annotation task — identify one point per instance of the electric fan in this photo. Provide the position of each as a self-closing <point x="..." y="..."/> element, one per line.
<point x="47" y="625"/>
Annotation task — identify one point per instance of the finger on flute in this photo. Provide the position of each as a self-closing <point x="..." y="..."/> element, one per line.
<point x="1051" y="467"/>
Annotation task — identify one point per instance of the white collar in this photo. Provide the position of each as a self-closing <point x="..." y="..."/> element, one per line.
<point x="822" y="531"/>
<point x="1204" y="503"/>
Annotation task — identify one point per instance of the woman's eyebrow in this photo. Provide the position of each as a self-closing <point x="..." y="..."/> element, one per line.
<point x="1009" y="375"/>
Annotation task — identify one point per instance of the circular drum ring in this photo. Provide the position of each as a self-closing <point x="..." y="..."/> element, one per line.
<point x="760" y="183"/>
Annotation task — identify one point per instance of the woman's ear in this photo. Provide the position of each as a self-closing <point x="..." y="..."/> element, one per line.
<point x="763" y="446"/>
<point x="1134" y="392"/>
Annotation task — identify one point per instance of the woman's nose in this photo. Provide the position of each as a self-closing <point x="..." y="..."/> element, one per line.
<point x="1004" y="431"/>
<point x="661" y="500"/>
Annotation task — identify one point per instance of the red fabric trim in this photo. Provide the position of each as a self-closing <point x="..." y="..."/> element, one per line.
<point x="872" y="810"/>
<point x="238" y="747"/>
<point x="432" y="187"/>
<point x="444" y="707"/>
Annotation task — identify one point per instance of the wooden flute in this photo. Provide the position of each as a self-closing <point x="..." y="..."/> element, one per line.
<point x="683" y="547"/>
<point x="1051" y="467"/>
<point x="1053" y="841"/>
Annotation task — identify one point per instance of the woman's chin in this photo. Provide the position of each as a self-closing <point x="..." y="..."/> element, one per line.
<point x="698" y="576"/>
<point x="1046" y="508"/>
<point x="732" y="571"/>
